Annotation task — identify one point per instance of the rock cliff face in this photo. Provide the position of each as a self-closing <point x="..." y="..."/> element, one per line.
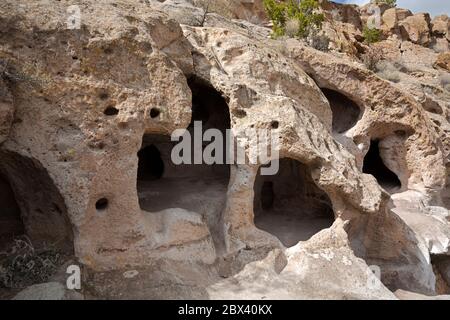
<point x="90" y="96"/>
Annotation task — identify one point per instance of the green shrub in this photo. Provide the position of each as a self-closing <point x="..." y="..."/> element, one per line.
<point x="371" y="35"/>
<point x="299" y="17"/>
<point x="391" y="3"/>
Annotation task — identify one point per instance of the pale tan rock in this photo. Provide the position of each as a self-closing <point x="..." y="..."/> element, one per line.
<point x="344" y="13"/>
<point x="341" y="276"/>
<point x="430" y="228"/>
<point x="378" y="100"/>
<point x="416" y="28"/>
<point x="182" y="11"/>
<point x="441" y="45"/>
<point x="391" y="17"/>
<point x="372" y="12"/>
<point x="196" y="12"/>
<point x="441" y="26"/>
<point x="134" y="67"/>
<point x="378" y="4"/>
<point x="52" y="291"/>
<point x="406" y="295"/>
<point x="443" y="61"/>
<point x="250" y="10"/>
<point x="136" y="60"/>
<point x="344" y="37"/>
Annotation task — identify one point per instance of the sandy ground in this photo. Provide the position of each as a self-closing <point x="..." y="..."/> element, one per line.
<point x="291" y="229"/>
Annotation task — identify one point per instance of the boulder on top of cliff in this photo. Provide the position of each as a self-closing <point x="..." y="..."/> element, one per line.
<point x="417" y="29"/>
<point x="392" y="16"/>
<point x="441" y="26"/>
<point x="443" y="61"/>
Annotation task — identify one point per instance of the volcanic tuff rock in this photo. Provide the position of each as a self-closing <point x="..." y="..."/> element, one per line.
<point x="81" y="109"/>
<point x="443" y="61"/>
<point x="417" y="28"/>
<point x="441" y="26"/>
<point x="392" y="16"/>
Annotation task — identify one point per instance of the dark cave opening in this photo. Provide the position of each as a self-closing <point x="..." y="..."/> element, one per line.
<point x="36" y="236"/>
<point x="154" y="113"/>
<point x="151" y="166"/>
<point x="346" y="113"/>
<point x="374" y="165"/>
<point x="29" y="194"/>
<point x="11" y="225"/>
<point x="441" y="269"/>
<point x="289" y="204"/>
<point x="201" y="188"/>
<point x="208" y="106"/>
<point x="111" y="111"/>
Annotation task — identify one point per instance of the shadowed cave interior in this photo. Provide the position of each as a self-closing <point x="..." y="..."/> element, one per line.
<point x="346" y="113"/>
<point x="36" y="236"/>
<point x="199" y="188"/>
<point x="289" y="204"/>
<point x="374" y="165"/>
<point x="11" y="225"/>
<point x="31" y="205"/>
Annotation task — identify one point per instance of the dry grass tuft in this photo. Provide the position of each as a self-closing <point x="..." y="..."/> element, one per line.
<point x="388" y="71"/>
<point x="13" y="76"/>
<point x="21" y="265"/>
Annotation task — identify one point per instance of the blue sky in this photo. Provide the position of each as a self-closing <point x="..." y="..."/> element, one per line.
<point x="434" y="7"/>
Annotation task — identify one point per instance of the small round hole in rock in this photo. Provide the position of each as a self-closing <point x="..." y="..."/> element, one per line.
<point x="239" y="113"/>
<point x="103" y="96"/>
<point x="274" y="124"/>
<point x="154" y="113"/>
<point x="101" y="204"/>
<point x="108" y="50"/>
<point x="111" y="111"/>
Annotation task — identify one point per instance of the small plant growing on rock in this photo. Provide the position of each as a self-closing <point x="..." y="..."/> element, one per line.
<point x="294" y="18"/>
<point x="391" y="3"/>
<point x="371" y="35"/>
<point x="222" y="8"/>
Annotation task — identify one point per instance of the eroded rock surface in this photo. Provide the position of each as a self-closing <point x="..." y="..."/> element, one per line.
<point x="417" y="28"/>
<point x="86" y="115"/>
